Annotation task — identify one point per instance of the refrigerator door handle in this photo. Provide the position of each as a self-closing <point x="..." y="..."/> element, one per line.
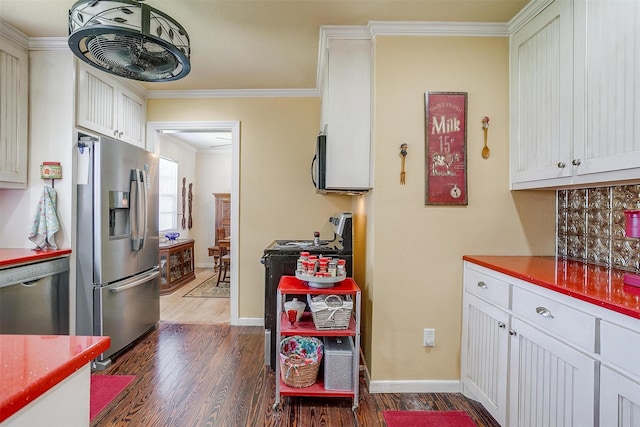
<point x="137" y="234"/>
<point x="143" y="229"/>
<point x="137" y="282"/>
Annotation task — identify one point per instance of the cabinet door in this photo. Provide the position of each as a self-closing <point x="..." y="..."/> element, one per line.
<point x="348" y="107"/>
<point x="131" y="118"/>
<point x="619" y="400"/>
<point x="14" y="84"/>
<point x="607" y="84"/>
<point x="96" y="106"/>
<point x="110" y="108"/>
<point x="540" y="98"/>
<point x="550" y="383"/>
<point x="484" y="355"/>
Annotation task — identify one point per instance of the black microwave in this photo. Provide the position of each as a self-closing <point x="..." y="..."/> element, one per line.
<point x="319" y="165"/>
<point x="342" y="173"/>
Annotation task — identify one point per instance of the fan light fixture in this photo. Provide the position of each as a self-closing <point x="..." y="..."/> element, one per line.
<point x="129" y="39"/>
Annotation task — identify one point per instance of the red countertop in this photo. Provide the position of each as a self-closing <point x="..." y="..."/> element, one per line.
<point x="30" y="365"/>
<point x="16" y="256"/>
<point x="594" y="284"/>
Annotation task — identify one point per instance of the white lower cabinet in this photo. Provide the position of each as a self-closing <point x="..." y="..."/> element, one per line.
<point x="619" y="400"/>
<point x="620" y="373"/>
<point x="485" y="355"/>
<point x="529" y="354"/>
<point x="550" y="383"/>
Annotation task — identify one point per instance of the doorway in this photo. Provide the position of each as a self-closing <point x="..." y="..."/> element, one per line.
<point x="155" y="128"/>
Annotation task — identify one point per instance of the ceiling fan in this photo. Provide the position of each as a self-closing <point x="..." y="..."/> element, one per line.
<point x="129" y="39"/>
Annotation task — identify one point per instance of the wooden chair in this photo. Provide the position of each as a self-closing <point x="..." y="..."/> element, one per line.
<point x="225" y="264"/>
<point x="217" y="251"/>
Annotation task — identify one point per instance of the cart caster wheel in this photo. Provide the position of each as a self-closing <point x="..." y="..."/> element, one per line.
<point x="275" y="406"/>
<point x="354" y="408"/>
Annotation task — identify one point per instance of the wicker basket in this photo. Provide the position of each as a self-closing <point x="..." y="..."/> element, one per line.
<point x="330" y="312"/>
<point x="300" y="360"/>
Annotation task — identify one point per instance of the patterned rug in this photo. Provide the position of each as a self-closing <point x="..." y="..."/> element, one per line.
<point x="208" y="289"/>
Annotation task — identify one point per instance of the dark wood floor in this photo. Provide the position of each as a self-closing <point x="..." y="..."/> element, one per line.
<point x="213" y="375"/>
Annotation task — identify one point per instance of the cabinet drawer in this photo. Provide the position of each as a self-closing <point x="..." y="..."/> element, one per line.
<point x="487" y="287"/>
<point x="556" y="318"/>
<point x="620" y="347"/>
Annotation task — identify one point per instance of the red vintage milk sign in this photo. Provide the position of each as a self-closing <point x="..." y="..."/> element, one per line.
<point x="446" y="148"/>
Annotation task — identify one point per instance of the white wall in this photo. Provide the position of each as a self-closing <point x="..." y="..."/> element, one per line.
<point x="51" y="110"/>
<point x="210" y="172"/>
<point x="172" y="149"/>
<point x="213" y="175"/>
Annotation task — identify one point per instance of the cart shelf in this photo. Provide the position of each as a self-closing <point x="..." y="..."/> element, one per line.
<point x="306" y="328"/>
<point x="316" y="389"/>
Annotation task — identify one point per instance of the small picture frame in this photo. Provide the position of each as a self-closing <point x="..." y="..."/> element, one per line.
<point x="446" y="148"/>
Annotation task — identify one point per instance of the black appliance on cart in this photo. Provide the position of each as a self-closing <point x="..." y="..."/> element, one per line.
<point x="280" y="259"/>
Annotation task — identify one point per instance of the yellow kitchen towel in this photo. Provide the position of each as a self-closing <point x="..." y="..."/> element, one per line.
<point x="45" y="221"/>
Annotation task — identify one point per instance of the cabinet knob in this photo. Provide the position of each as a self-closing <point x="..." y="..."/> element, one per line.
<point x="120" y="134"/>
<point x="502" y="325"/>
<point x="482" y="285"/>
<point x="576" y="162"/>
<point x="512" y="332"/>
<point x="115" y="133"/>
<point x="544" y="312"/>
<point x="561" y="165"/>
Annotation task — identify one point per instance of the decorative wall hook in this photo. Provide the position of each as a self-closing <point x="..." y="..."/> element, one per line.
<point x="485" y="129"/>
<point x="403" y="153"/>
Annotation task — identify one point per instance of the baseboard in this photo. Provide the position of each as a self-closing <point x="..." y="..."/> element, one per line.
<point x="205" y="265"/>
<point x="420" y="386"/>
<point x="250" y="321"/>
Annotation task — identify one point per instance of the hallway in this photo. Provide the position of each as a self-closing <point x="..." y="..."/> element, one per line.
<point x="175" y="308"/>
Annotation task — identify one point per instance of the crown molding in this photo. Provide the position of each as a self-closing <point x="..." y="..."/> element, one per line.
<point x="49" y="43"/>
<point x="235" y="93"/>
<point x="435" y="29"/>
<point x="13" y="34"/>
<point x="527" y="13"/>
<point x="327" y="32"/>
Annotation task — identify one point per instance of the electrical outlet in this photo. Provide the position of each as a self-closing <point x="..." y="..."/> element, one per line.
<point x="429" y="338"/>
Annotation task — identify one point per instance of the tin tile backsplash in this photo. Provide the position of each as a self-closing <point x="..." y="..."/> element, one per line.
<point x="590" y="226"/>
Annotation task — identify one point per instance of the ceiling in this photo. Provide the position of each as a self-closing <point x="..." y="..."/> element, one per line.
<point x="261" y="44"/>
<point x="202" y="141"/>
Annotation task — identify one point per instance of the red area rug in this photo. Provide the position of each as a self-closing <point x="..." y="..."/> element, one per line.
<point x="104" y="388"/>
<point x="428" y="419"/>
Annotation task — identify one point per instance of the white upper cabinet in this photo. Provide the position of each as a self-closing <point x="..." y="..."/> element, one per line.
<point x="14" y="86"/>
<point x="541" y="96"/>
<point x="107" y="106"/>
<point x="607" y="86"/>
<point x="575" y="95"/>
<point x="346" y="113"/>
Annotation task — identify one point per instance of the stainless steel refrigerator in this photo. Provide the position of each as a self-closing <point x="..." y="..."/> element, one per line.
<point x="118" y="280"/>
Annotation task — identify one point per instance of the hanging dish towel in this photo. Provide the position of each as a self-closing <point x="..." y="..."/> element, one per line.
<point x="45" y="221"/>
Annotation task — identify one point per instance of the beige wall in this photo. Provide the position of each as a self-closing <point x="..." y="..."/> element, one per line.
<point x="414" y="266"/>
<point x="277" y="199"/>
<point x="408" y="255"/>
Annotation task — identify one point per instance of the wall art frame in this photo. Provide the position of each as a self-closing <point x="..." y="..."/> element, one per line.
<point x="446" y="148"/>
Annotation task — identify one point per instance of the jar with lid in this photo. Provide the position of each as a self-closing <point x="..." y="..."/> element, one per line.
<point x="341" y="267"/>
<point x="296" y="305"/>
<point x="322" y="266"/>
<point x="332" y="268"/>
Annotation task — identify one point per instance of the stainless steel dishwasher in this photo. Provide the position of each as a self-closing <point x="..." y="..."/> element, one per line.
<point x="34" y="298"/>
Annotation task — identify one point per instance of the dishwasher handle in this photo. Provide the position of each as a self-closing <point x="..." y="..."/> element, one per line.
<point x="137" y="282"/>
<point x="33" y="283"/>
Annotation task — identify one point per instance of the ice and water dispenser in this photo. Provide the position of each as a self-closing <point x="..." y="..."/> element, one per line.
<point x="119" y="218"/>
